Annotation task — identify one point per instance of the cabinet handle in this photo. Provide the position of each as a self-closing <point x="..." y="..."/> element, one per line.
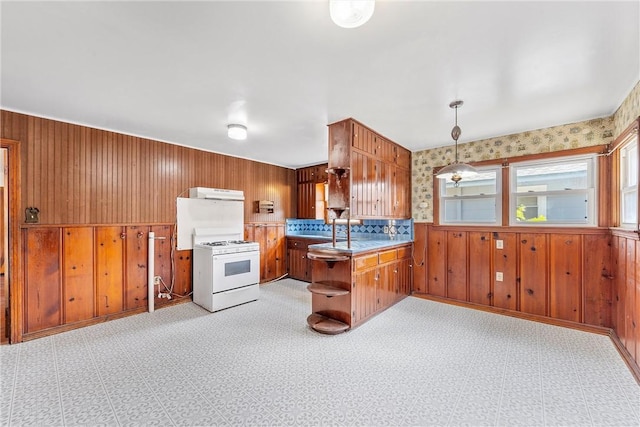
<point x="123" y="235"/>
<point x="140" y="234"/>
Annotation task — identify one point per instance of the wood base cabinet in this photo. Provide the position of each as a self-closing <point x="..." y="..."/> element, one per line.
<point x="349" y="290"/>
<point x="298" y="264"/>
<point x="271" y="238"/>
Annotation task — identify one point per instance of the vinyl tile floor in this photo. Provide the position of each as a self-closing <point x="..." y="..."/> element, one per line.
<point x="417" y="363"/>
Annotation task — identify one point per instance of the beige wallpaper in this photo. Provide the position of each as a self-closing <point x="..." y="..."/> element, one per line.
<point x="575" y="135"/>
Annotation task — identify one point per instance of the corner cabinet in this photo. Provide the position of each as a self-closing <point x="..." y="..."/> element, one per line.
<point x="347" y="290"/>
<point x="369" y="175"/>
<point x="271" y="238"/>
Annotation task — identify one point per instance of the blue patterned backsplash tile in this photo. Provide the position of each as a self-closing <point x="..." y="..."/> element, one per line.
<point x="369" y="229"/>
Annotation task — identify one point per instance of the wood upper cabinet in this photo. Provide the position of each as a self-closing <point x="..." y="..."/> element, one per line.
<point x="43" y="279"/>
<point x="109" y="269"/>
<point x="565" y="278"/>
<point x="370" y="176"/>
<point x="77" y="273"/>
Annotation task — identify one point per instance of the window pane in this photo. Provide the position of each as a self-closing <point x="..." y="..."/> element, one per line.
<point x="630" y="207"/>
<point x="553" y="177"/>
<point x="482" y="183"/>
<point x="470" y="210"/>
<point x="630" y="166"/>
<point x="570" y="208"/>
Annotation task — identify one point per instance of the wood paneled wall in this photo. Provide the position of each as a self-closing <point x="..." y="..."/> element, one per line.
<point x="79" y="175"/>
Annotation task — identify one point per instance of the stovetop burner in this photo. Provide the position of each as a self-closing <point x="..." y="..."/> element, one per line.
<point x="226" y="243"/>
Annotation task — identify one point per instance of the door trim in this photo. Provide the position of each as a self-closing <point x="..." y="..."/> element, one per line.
<point x="14" y="259"/>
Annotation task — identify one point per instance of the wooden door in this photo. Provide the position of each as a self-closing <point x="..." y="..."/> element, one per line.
<point x="457" y="265"/>
<point x="420" y="230"/>
<point x="565" y="278"/>
<point x="109" y="269"/>
<point x="480" y="267"/>
<point x="136" y="260"/>
<point x="504" y="272"/>
<point x="533" y="273"/>
<point x="383" y="190"/>
<point x="77" y="274"/>
<point x="387" y="285"/>
<point x="436" y="262"/>
<point x="402" y="193"/>
<point x="43" y="284"/>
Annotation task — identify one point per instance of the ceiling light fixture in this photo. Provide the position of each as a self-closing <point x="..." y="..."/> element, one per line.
<point x="235" y="131"/>
<point x="456" y="170"/>
<point x="351" y="13"/>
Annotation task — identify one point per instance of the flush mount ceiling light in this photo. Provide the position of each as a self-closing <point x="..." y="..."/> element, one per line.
<point x="351" y="13"/>
<point x="235" y="131"/>
<point x="456" y="170"/>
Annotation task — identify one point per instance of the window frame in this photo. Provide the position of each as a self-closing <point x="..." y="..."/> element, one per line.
<point x="628" y="137"/>
<point x="591" y="191"/>
<point x="497" y="196"/>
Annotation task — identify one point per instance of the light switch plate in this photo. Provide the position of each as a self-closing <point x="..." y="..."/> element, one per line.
<point x="499" y="276"/>
<point x="499" y="244"/>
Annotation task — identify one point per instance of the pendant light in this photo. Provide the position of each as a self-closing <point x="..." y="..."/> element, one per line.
<point x="351" y="13"/>
<point x="456" y="170"/>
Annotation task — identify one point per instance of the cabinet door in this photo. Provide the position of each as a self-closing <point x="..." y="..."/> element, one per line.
<point x="402" y="157"/>
<point x="505" y="262"/>
<point x="401" y="193"/>
<point x="364" y="294"/>
<point x="182" y="285"/>
<point x="340" y="135"/>
<point x="43" y="285"/>
<point x="136" y="260"/>
<point x="405" y="276"/>
<point x="109" y="271"/>
<point x="387" y="285"/>
<point x="77" y="276"/>
<point x="565" y="290"/>
<point x="280" y="251"/>
<point x="306" y="200"/>
<point x="298" y="264"/>
<point x="480" y="267"/>
<point x="436" y="262"/>
<point x="457" y="265"/>
<point x="533" y="273"/>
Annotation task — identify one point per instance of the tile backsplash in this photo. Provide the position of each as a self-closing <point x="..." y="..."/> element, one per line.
<point x="374" y="229"/>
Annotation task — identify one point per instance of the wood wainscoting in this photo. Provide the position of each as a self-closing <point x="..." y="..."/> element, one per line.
<point x="579" y="277"/>
<point x="80" y="275"/>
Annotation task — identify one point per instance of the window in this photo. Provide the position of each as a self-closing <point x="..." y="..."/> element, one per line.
<point x="556" y="192"/>
<point x="475" y="201"/>
<point x="629" y="185"/>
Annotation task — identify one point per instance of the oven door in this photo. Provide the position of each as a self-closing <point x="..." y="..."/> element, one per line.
<point x="236" y="270"/>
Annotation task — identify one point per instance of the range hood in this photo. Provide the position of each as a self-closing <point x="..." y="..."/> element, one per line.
<point x="215" y="194"/>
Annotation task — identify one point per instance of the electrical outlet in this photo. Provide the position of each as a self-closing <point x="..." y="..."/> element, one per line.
<point x="499" y="244"/>
<point x="499" y="277"/>
<point x="156" y="280"/>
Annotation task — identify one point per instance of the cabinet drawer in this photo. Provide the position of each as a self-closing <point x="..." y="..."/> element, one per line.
<point x="387" y="256"/>
<point x="365" y="262"/>
<point x="296" y="244"/>
<point x="404" y="252"/>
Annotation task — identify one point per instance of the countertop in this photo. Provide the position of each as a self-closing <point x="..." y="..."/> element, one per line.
<point x="358" y="246"/>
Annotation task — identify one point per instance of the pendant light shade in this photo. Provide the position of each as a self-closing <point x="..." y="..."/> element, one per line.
<point x="351" y="13"/>
<point x="456" y="171"/>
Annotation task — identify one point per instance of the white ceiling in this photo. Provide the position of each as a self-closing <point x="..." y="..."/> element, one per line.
<point x="181" y="71"/>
